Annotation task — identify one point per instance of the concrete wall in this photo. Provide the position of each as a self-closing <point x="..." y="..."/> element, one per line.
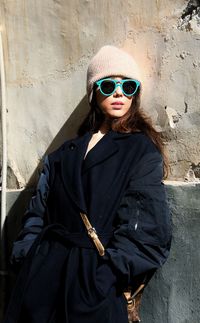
<point x="47" y="47"/>
<point x="173" y="295"/>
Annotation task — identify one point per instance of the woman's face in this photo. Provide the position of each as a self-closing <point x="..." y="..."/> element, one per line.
<point x="117" y="104"/>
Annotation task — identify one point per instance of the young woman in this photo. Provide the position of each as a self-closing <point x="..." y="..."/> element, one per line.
<point x="112" y="172"/>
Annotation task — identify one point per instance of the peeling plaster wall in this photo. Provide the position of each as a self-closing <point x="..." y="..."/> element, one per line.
<point x="48" y="45"/>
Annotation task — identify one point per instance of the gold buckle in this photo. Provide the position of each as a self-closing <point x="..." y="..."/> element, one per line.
<point x="92" y="232"/>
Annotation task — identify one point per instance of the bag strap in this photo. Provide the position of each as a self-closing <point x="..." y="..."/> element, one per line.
<point x="91" y="231"/>
<point x="93" y="235"/>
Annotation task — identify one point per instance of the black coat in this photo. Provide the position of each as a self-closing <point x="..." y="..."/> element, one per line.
<point x="119" y="186"/>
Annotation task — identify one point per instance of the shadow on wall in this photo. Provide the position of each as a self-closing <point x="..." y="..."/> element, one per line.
<point x="68" y="131"/>
<point x="12" y="224"/>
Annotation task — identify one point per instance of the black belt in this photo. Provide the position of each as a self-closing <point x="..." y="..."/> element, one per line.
<point x="78" y="239"/>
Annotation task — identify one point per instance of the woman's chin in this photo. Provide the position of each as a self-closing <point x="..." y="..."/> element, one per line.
<point x="116" y="114"/>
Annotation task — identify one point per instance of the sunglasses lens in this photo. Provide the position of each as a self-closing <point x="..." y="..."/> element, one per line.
<point x="107" y="86"/>
<point x="129" y="87"/>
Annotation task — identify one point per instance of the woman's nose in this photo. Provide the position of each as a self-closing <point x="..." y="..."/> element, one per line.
<point x="118" y="90"/>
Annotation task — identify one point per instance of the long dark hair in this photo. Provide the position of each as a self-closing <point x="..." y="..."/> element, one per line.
<point x="135" y="120"/>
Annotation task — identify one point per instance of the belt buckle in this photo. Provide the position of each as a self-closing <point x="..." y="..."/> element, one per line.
<point x="92" y="232"/>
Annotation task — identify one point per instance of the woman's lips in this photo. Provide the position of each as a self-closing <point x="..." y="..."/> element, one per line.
<point x="117" y="105"/>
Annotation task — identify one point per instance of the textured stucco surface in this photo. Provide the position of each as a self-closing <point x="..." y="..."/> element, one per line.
<point x="47" y="46"/>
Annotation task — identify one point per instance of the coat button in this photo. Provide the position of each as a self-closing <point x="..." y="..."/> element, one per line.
<point x="72" y="146"/>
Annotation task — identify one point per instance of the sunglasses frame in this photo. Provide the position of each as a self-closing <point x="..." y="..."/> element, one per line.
<point x="118" y="83"/>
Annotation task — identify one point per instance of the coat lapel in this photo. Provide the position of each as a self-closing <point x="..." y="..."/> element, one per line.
<point x="104" y="149"/>
<point x="71" y="165"/>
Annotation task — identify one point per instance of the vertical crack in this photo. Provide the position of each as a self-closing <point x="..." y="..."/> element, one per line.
<point x="186" y="107"/>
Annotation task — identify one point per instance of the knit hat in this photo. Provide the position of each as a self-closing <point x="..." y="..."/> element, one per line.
<point x="110" y="61"/>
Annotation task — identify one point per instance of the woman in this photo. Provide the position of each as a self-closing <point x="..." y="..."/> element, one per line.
<point x="112" y="172"/>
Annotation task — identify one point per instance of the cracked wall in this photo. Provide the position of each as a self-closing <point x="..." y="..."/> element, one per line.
<point x="47" y="48"/>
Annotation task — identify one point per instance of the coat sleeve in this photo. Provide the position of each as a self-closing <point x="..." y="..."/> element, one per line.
<point x="142" y="237"/>
<point x="33" y="220"/>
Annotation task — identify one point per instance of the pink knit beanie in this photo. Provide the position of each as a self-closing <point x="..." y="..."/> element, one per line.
<point x="110" y="61"/>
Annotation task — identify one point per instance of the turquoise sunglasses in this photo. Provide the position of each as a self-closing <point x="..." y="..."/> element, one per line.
<point x="108" y="86"/>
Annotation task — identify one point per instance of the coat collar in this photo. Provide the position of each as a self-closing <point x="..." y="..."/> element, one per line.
<point x="72" y="161"/>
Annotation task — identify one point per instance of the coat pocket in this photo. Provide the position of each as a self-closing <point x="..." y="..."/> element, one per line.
<point x="135" y="221"/>
<point x="155" y="216"/>
<point x="149" y="217"/>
